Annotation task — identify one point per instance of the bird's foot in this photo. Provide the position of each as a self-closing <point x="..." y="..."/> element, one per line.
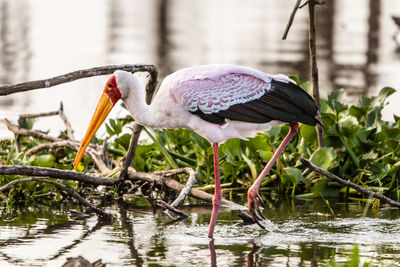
<point x="254" y="201"/>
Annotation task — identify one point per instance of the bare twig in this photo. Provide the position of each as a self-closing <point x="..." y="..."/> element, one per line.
<point x="72" y="76"/>
<point x="20" y="131"/>
<point x="59" y="112"/>
<point x="186" y="190"/>
<point x="289" y="24"/>
<point x="37" y="115"/>
<point x="64" y="144"/>
<point x="310" y="165"/>
<point x="170" y="208"/>
<point x="64" y="119"/>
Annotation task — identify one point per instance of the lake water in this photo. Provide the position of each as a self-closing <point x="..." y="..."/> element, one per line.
<point x="43" y="38"/>
<point x="300" y="233"/>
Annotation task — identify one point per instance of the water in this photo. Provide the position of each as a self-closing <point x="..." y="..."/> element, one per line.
<point x="299" y="234"/>
<point x="43" y="38"/>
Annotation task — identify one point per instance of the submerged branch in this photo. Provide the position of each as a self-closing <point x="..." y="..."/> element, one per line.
<point x="172" y="209"/>
<point x="62" y="187"/>
<point x="385" y="199"/>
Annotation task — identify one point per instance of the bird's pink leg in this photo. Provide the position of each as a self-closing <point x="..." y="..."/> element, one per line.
<point x="252" y="195"/>
<point x="217" y="194"/>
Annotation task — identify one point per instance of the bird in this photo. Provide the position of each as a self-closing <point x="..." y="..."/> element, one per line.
<point x="217" y="101"/>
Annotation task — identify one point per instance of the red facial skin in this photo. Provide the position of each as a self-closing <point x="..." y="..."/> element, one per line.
<point x="112" y="90"/>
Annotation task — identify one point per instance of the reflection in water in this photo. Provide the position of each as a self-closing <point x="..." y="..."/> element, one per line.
<point x="306" y="234"/>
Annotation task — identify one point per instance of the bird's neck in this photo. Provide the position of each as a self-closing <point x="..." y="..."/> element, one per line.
<point x="137" y="106"/>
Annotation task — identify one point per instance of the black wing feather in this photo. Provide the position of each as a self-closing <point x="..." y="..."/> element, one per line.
<point x="285" y="102"/>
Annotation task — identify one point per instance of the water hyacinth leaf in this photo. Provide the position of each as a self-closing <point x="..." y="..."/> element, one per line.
<point x="44" y="161"/>
<point x="265" y="155"/>
<point x="308" y="133"/>
<point x="295" y="174"/>
<point x="323" y="157"/>
<point x="390" y="132"/>
<point x="233" y="146"/>
<point x="385" y="93"/>
<point x="335" y="101"/>
<point x="325" y="108"/>
<point x="26" y="123"/>
<point x="307" y="86"/>
<point x="274" y="131"/>
<point x="348" y="126"/>
<point x="123" y="141"/>
<point x="200" y="141"/>
<point x="358" y="112"/>
<point x="295" y="79"/>
<point x="258" y="142"/>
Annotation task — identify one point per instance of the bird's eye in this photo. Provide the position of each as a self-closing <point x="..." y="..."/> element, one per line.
<point x="109" y="86"/>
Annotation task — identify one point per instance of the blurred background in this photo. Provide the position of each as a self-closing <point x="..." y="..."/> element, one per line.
<point x="40" y="39"/>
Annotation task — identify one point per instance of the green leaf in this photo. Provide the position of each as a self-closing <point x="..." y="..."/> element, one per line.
<point x="385" y="93"/>
<point x="295" y="78"/>
<point x="348" y="126"/>
<point x="123" y="141"/>
<point x="323" y="157"/>
<point x="370" y="156"/>
<point x="308" y="133"/>
<point x="295" y="174"/>
<point x="307" y="86"/>
<point x="274" y="131"/>
<point x="26" y="123"/>
<point x="44" y="161"/>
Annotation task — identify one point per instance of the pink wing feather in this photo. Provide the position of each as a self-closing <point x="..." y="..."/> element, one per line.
<point x="212" y="88"/>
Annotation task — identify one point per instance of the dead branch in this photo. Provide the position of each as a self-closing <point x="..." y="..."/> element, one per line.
<point x="55" y="173"/>
<point x="186" y="190"/>
<point x="176" y="186"/>
<point x="72" y="76"/>
<point x="20" y="131"/>
<point x="172" y="209"/>
<point x="313" y="64"/>
<point x="37" y="115"/>
<point x="59" y="144"/>
<point x="385" y="199"/>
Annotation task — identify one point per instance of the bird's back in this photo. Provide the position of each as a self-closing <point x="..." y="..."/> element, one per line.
<point x="219" y="92"/>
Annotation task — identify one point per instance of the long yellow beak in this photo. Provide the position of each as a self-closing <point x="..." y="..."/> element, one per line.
<point x="100" y="114"/>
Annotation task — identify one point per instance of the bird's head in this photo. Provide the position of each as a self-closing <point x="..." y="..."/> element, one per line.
<point x="111" y="95"/>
